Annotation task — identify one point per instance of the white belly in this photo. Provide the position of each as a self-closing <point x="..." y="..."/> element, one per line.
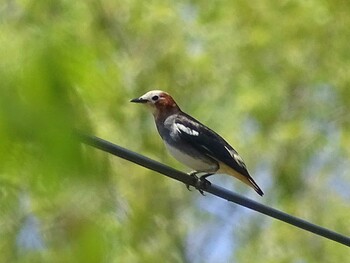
<point x="193" y="163"/>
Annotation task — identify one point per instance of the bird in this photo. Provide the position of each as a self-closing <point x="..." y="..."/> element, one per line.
<point x="194" y="144"/>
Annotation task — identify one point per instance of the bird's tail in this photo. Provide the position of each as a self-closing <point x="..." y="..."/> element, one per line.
<point x="253" y="184"/>
<point x="248" y="180"/>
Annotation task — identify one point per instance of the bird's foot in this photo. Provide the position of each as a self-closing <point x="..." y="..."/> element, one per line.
<point x="194" y="175"/>
<point x="201" y="182"/>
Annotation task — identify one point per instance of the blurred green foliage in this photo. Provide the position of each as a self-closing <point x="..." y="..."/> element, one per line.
<point x="272" y="78"/>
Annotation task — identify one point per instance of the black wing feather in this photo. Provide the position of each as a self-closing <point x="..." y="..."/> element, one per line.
<point x="209" y="142"/>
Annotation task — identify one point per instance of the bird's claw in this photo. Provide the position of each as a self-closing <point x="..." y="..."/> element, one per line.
<point x="194" y="175"/>
<point x="201" y="182"/>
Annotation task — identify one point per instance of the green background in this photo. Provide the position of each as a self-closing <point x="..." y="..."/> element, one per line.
<point x="271" y="77"/>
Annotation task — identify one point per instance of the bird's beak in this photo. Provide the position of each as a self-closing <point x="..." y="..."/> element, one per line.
<point x="139" y="100"/>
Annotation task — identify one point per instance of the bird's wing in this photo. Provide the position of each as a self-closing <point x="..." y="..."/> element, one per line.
<point x="208" y="142"/>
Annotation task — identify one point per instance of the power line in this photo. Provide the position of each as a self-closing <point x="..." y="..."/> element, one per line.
<point x="213" y="189"/>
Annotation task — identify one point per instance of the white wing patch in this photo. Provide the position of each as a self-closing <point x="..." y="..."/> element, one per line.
<point x="182" y="128"/>
<point x="237" y="158"/>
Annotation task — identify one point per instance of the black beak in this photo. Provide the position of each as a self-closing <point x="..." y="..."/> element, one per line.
<point x="139" y="100"/>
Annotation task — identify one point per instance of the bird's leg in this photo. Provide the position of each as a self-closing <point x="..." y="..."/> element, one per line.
<point x="203" y="183"/>
<point x="204" y="176"/>
<point x="194" y="175"/>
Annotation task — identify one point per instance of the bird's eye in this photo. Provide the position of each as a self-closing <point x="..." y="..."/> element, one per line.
<point x="155" y="98"/>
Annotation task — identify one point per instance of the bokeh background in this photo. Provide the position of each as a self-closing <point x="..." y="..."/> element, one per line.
<point x="271" y="77"/>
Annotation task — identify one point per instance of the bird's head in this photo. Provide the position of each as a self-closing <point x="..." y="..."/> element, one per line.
<point x="158" y="101"/>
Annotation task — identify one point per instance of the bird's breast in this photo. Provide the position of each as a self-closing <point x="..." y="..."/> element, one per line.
<point x="192" y="158"/>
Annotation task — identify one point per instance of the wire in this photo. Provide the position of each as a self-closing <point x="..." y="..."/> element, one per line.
<point x="213" y="189"/>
